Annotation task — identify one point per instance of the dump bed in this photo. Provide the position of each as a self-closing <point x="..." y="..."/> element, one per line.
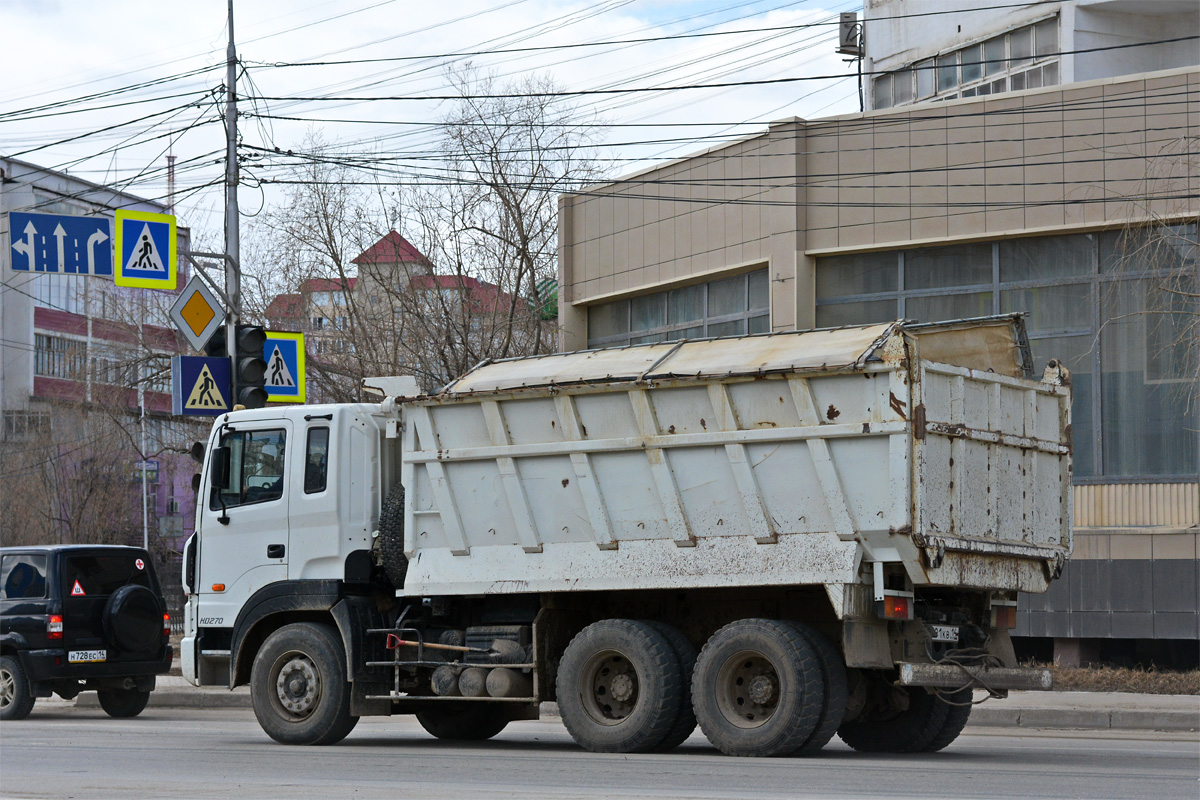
<point x="771" y="460"/>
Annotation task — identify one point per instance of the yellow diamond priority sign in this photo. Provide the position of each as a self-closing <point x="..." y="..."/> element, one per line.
<point x="197" y="313"/>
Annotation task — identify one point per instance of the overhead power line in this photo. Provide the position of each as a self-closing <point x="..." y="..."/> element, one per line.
<point x="643" y="89"/>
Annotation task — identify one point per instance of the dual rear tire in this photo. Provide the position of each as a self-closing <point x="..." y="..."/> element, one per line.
<point x="758" y="688"/>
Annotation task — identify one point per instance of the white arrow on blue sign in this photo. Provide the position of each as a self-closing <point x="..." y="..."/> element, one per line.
<point x="56" y="243"/>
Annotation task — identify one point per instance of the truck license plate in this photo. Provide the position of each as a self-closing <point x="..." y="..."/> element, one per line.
<point x="944" y="633"/>
<point x="86" y="656"/>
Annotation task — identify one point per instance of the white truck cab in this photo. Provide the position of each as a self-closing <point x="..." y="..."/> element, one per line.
<point x="297" y="512"/>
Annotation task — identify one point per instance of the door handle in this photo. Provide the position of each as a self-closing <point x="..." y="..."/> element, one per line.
<point x="275" y="551"/>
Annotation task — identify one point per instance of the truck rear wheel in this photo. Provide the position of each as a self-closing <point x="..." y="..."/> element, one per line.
<point x="685" y="651"/>
<point x="833" y="675"/>
<point x="299" y="687"/>
<point x="957" y="713"/>
<point x="465" y="722"/>
<point x="619" y="687"/>
<point x="888" y="729"/>
<point x="757" y="689"/>
<point x="16" y="702"/>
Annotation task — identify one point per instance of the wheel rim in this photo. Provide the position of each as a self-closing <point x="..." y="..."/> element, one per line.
<point x="297" y="685"/>
<point x="8" y="688"/>
<point x="610" y="687"/>
<point x="748" y="689"/>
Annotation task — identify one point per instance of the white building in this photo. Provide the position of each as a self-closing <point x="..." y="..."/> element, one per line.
<point x="945" y="49"/>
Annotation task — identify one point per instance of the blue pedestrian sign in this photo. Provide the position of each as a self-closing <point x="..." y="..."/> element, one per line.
<point x="145" y="250"/>
<point x="284" y="354"/>
<point x="199" y="386"/>
<point x="60" y="244"/>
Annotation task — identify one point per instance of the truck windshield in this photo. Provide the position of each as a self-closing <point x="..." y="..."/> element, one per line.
<point x="256" y="460"/>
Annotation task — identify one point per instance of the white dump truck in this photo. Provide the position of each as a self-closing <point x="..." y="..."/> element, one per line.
<point x="778" y="537"/>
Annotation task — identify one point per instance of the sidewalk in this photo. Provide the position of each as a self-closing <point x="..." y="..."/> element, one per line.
<point x="1055" y="710"/>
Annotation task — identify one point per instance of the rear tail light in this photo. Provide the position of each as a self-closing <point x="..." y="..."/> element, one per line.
<point x="895" y="606"/>
<point x="1004" y="616"/>
<point x="166" y="626"/>
<point x="54" y="628"/>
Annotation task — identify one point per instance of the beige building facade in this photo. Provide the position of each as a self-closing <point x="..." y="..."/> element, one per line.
<point x="1075" y="204"/>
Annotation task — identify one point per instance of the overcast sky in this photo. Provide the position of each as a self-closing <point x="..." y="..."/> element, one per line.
<point x="61" y="51"/>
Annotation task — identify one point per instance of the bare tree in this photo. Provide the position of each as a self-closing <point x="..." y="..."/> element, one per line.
<point x="485" y="220"/>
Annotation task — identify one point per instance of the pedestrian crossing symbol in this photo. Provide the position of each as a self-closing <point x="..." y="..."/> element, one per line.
<point x="199" y="386"/>
<point x="204" y="394"/>
<point x="284" y="354"/>
<point x="145" y="249"/>
<point x="278" y="374"/>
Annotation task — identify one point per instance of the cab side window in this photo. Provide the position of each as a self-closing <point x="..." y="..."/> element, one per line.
<point x="316" y="460"/>
<point x="22" y="576"/>
<point x="256" y="468"/>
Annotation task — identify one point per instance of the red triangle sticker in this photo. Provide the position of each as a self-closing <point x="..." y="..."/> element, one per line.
<point x="77" y="590"/>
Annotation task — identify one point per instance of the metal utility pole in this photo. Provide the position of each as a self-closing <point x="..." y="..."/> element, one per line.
<point x="233" y="291"/>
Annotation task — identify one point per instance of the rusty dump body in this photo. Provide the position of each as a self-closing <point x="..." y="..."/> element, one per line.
<point x="851" y="458"/>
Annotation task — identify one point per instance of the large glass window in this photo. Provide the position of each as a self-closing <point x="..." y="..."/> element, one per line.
<point x="56" y="357"/>
<point x="732" y="306"/>
<point x="1120" y="308"/>
<point x="256" y="461"/>
<point x="1029" y="55"/>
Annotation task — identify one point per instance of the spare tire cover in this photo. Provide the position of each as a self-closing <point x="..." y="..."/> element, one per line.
<point x="133" y="620"/>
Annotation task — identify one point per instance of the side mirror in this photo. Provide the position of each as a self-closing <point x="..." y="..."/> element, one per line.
<point x="197" y="452"/>
<point x="196" y="483"/>
<point x="220" y="468"/>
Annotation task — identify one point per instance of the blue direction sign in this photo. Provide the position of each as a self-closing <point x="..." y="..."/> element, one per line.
<point x="145" y="248"/>
<point x="199" y="386"/>
<point x="55" y="243"/>
<point x="284" y="354"/>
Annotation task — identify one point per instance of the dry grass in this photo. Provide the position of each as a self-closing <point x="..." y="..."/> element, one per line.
<point x="1121" y="679"/>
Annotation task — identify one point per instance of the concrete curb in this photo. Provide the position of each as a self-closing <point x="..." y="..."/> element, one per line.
<point x="1058" y="718"/>
<point x="1086" y="719"/>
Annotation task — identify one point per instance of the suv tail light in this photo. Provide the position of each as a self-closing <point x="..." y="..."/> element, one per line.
<point x="54" y="628"/>
<point x="166" y="626"/>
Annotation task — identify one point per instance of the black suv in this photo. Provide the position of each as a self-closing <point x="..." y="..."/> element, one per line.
<point x="80" y="617"/>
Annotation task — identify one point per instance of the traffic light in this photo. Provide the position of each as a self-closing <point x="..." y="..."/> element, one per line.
<point x="249" y="367"/>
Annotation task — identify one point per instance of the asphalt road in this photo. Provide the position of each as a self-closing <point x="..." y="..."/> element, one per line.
<point x="183" y="753"/>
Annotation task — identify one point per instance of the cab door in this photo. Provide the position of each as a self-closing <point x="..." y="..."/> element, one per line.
<point x="243" y="514"/>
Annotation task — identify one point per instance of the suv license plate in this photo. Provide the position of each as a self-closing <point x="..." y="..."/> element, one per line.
<point x="944" y="633"/>
<point x="85" y="656"/>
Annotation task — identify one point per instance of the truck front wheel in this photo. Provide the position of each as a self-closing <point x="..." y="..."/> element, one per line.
<point x="299" y="686"/>
<point x="620" y="687"/>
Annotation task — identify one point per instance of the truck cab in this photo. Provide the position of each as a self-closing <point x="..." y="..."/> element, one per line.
<point x="284" y="519"/>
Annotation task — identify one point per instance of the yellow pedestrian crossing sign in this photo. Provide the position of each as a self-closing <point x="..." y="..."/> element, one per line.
<point x="145" y="249"/>
<point x="205" y="395"/>
<point x="284" y="354"/>
<point x="199" y="386"/>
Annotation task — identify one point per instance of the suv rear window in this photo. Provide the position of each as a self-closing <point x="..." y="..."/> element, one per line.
<point x="22" y="576"/>
<point x="104" y="574"/>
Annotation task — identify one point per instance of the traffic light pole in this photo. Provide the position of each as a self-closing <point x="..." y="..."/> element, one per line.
<point x="233" y="289"/>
